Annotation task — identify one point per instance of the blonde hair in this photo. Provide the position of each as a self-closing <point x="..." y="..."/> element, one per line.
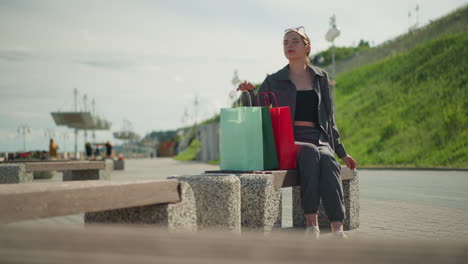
<point x="306" y="41"/>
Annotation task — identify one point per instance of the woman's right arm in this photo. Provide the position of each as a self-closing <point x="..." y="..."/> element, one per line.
<point x="247" y="86"/>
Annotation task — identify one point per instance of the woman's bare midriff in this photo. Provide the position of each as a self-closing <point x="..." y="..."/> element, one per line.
<point x="305" y="123"/>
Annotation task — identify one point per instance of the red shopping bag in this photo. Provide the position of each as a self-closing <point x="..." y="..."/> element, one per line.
<point x="283" y="132"/>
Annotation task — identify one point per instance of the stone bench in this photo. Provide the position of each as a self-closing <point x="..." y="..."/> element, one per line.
<point x="168" y="203"/>
<point x="119" y="164"/>
<point x="261" y="198"/>
<point x="218" y="200"/>
<point x="261" y="203"/>
<point x="22" y="171"/>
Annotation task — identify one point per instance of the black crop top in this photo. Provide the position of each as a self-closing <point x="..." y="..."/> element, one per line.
<point x="306" y="106"/>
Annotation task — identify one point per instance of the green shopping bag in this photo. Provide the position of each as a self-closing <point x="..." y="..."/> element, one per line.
<point x="246" y="141"/>
<point x="270" y="157"/>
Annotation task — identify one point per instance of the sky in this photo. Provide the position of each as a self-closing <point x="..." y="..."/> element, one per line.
<point x="147" y="61"/>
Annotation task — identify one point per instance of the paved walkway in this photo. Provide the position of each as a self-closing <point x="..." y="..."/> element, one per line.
<point x="394" y="204"/>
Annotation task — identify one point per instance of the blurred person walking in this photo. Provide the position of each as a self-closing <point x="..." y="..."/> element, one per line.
<point x="88" y="150"/>
<point x="109" y="149"/>
<point x="53" y="147"/>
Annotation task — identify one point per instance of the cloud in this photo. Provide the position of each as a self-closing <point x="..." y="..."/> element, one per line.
<point x="27" y="115"/>
<point x="7" y="134"/>
<point x="149" y="62"/>
<point x="15" y="55"/>
<point x="178" y="79"/>
<point x="109" y="64"/>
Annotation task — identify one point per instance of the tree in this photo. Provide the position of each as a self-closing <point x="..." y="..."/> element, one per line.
<point x="363" y="43"/>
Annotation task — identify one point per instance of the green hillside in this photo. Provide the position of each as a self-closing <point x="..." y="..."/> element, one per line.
<point x="453" y="23"/>
<point x="409" y="109"/>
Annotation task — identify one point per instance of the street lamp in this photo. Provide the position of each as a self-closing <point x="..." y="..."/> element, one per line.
<point x="64" y="136"/>
<point x="24" y="129"/>
<point x="49" y="133"/>
<point x="235" y="81"/>
<point x="185" y="116"/>
<point x="331" y="35"/>
<point x="196" y="102"/>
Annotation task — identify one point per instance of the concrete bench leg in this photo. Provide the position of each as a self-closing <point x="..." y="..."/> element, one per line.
<point x="44" y="174"/>
<point x="351" y="198"/>
<point x="82" y="175"/>
<point x="180" y="216"/>
<point x="218" y="201"/>
<point x="119" y="165"/>
<point x="261" y="206"/>
<point x="14" y="173"/>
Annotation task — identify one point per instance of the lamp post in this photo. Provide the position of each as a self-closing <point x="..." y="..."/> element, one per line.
<point x="235" y="82"/>
<point x="196" y="102"/>
<point x="24" y="129"/>
<point x="185" y="117"/>
<point x="49" y="133"/>
<point x="64" y="136"/>
<point x="331" y="35"/>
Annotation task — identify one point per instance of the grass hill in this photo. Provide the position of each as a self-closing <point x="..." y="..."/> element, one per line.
<point x="455" y="22"/>
<point x="409" y="109"/>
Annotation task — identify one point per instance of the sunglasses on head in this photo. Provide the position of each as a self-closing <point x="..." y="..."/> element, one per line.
<point x="298" y="29"/>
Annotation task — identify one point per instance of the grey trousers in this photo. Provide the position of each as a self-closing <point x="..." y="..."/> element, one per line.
<point x="319" y="175"/>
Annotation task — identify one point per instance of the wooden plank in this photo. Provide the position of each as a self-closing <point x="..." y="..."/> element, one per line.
<point x="60" y="165"/>
<point x="288" y="178"/>
<point x="33" y="160"/>
<point x="236" y="172"/>
<point x="104" y="244"/>
<point x="37" y="200"/>
<point x="285" y="178"/>
<point x="347" y="173"/>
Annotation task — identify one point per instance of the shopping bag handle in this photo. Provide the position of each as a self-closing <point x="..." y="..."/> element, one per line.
<point x="248" y="94"/>
<point x="267" y="98"/>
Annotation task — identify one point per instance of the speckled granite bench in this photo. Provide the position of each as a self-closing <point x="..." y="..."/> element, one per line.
<point x="261" y="206"/>
<point x="166" y="203"/>
<point x="83" y="172"/>
<point x="119" y="164"/>
<point x="261" y="198"/>
<point x="22" y="171"/>
<point x="218" y="200"/>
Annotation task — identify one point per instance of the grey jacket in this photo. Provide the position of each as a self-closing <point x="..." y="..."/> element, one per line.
<point x="285" y="91"/>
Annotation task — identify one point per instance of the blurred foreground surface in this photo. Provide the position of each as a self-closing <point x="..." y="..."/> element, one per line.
<point x="128" y="244"/>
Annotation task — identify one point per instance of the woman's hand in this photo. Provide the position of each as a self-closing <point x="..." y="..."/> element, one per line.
<point x="245" y="86"/>
<point x="350" y="162"/>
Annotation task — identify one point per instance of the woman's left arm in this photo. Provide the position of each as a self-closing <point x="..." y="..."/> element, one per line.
<point x="338" y="146"/>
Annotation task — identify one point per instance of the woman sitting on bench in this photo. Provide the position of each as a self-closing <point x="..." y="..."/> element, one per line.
<point x="305" y="89"/>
